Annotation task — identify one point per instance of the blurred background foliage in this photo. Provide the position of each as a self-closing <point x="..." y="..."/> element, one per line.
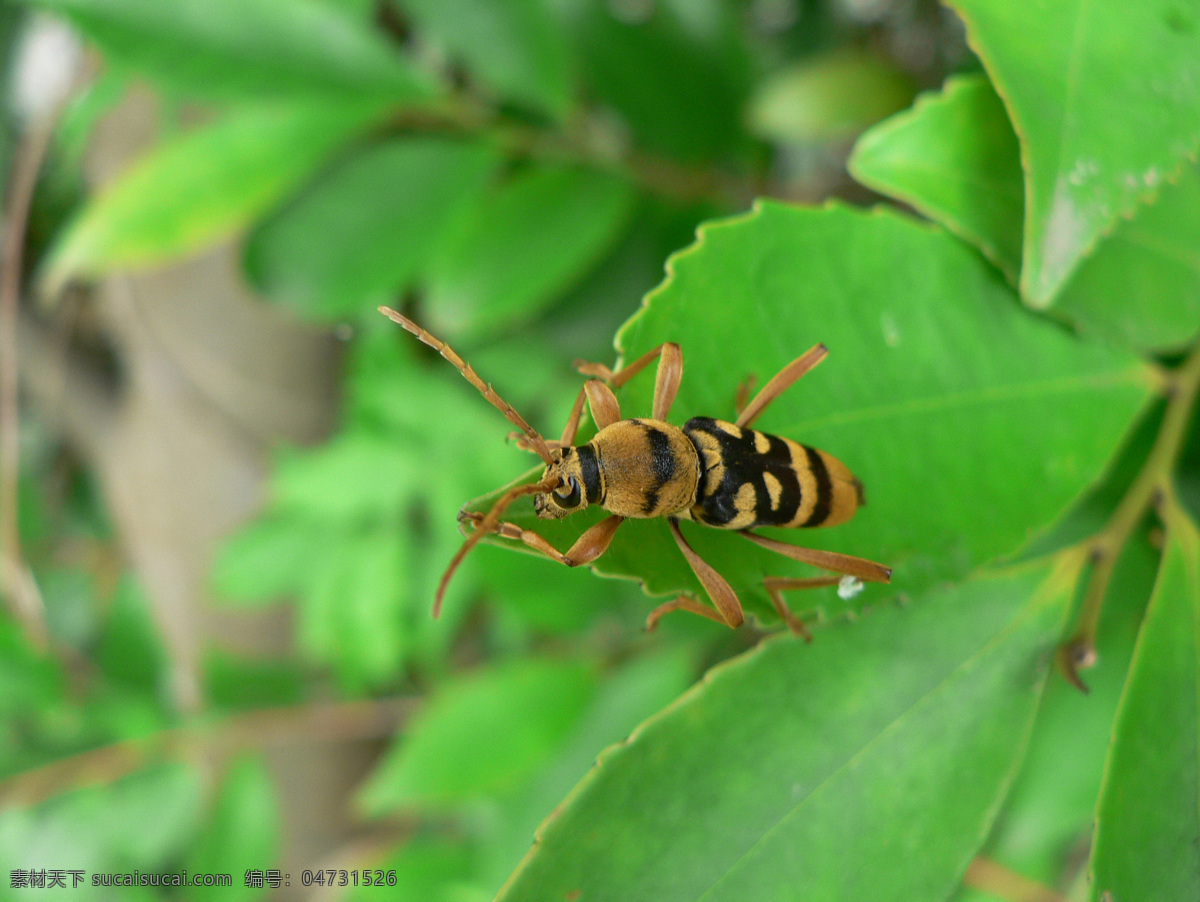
<point x="237" y="482"/>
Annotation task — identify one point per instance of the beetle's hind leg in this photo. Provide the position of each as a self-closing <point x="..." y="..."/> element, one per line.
<point x="728" y="607"/>
<point x="777" y="585"/>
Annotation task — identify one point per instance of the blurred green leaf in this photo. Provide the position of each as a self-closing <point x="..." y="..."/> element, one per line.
<point x="526" y="243"/>
<point x="1062" y="69"/>
<point x="785" y="773"/>
<point x="954" y="157"/>
<point x="678" y="89"/>
<point x="129" y="647"/>
<point x="428" y="870"/>
<point x="1149" y="812"/>
<point x="241" y="834"/>
<point x="828" y="97"/>
<point x="921" y="396"/>
<point x="144" y="821"/>
<point x="516" y="47"/>
<point x="202" y="187"/>
<point x="362" y="233"/>
<point x="247" y="683"/>
<point x="239" y="48"/>
<point x="481" y="734"/>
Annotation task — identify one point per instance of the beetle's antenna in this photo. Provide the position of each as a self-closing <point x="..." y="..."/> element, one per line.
<point x="487" y="525"/>
<point x="539" y="443"/>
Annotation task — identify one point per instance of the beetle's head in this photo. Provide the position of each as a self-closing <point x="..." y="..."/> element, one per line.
<point x="569" y="494"/>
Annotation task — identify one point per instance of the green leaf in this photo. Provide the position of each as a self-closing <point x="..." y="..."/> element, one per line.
<point x="481" y="734"/>
<point x="1142" y="285"/>
<point x="235" y="48"/>
<point x="241" y="835"/>
<point x="941" y="393"/>
<point x="515" y="47"/>
<point x="197" y="189"/>
<point x="829" y="97"/>
<point x="954" y="157"/>
<point x="145" y="821"/>
<point x="1050" y="811"/>
<point x="365" y="230"/>
<point x="867" y="765"/>
<point x="622" y="700"/>
<point x="1063" y="69"/>
<point x="1149" y="813"/>
<point x="529" y="241"/>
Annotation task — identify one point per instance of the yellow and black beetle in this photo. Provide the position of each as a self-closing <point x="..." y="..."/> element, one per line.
<point x="724" y="475"/>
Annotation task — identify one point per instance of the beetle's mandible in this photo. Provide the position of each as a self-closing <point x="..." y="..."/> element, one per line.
<point x="721" y="474"/>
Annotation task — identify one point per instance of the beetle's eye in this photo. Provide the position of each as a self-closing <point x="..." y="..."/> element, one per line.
<point x="568" y="495"/>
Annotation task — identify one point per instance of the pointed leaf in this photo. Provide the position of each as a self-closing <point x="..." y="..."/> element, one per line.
<point x="359" y="236"/>
<point x="867" y="765"/>
<point x="955" y="157"/>
<point x="197" y="189"/>
<point x="1064" y="69"/>
<point x="1149" y="814"/>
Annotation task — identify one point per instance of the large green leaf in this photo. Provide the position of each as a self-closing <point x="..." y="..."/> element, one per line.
<point x="1149" y="814"/>
<point x="365" y="230"/>
<point x="971" y="422"/>
<point x="955" y="158"/>
<point x="199" y="188"/>
<point x="867" y="765"/>
<point x="1064" y="67"/>
<point x="231" y="48"/>
<point x="515" y="47"/>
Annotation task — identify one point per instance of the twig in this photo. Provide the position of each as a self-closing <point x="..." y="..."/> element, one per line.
<point x="16" y="580"/>
<point x="310" y="723"/>
<point x="1153" y="483"/>
<point x="992" y="877"/>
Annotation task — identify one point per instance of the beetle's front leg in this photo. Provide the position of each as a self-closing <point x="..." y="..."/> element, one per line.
<point x="589" y="546"/>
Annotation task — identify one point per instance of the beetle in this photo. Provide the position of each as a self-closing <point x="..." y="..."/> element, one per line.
<point x="712" y="472"/>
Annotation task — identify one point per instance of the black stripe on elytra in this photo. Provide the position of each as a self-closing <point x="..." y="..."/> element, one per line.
<point x="780" y="455"/>
<point x="745" y="464"/>
<point x="824" y="488"/>
<point x="589" y="471"/>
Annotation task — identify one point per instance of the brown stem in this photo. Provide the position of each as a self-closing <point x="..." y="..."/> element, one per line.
<point x="1152" y="485"/>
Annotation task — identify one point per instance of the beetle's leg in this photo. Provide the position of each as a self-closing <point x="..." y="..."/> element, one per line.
<point x="868" y="571"/>
<point x="775" y="586"/>
<point x="666" y="382"/>
<point x="723" y="597"/>
<point x="743" y="394"/>
<point x="781" y="382"/>
<point x="682" y="603"/>
<point x="589" y="546"/>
